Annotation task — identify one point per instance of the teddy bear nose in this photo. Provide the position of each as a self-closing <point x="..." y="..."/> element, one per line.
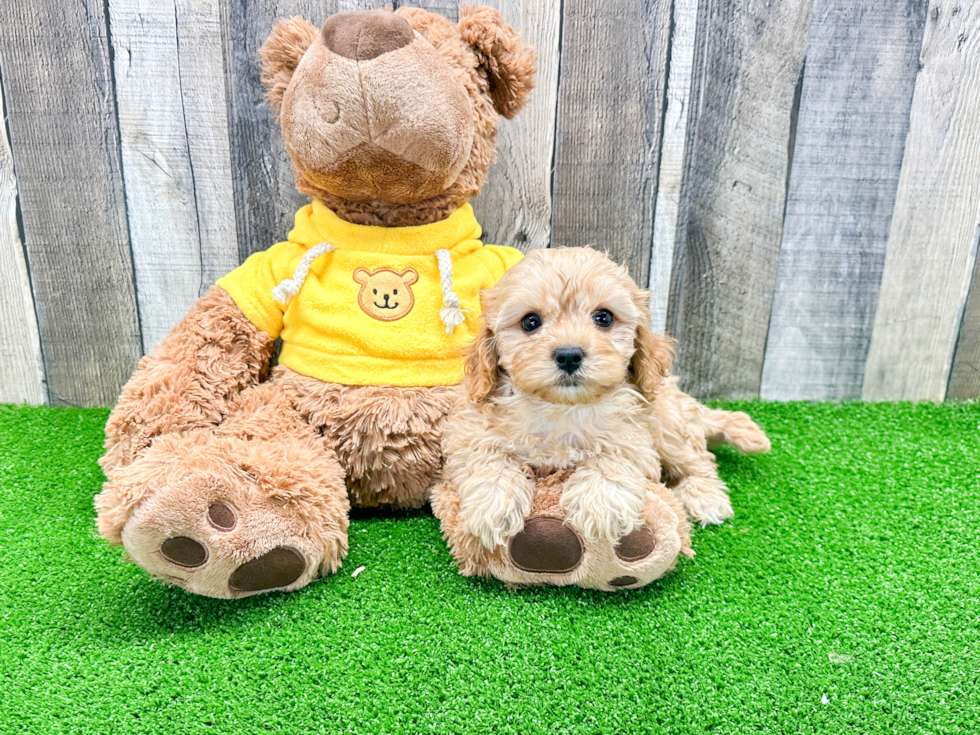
<point x="569" y="359"/>
<point x="365" y="34"/>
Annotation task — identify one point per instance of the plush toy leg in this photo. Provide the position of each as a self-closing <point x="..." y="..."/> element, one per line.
<point x="257" y="505"/>
<point x="549" y="552"/>
<point x="388" y="439"/>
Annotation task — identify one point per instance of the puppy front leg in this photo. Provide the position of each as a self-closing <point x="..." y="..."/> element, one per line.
<point x="604" y="497"/>
<point x="495" y="496"/>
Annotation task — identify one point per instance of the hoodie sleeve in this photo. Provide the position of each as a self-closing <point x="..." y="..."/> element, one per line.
<point x="498" y="259"/>
<point x="250" y="285"/>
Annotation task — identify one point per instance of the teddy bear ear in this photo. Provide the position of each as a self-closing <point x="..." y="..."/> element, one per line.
<point x="281" y="54"/>
<point x="508" y="63"/>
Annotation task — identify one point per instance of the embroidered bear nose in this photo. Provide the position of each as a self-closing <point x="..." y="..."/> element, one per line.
<point x="569" y="359"/>
<point x="366" y="34"/>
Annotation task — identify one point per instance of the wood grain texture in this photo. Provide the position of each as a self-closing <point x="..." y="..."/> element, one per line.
<point x="514" y="207"/>
<point x="21" y="373"/>
<point x="169" y="73"/>
<point x="65" y="141"/>
<point x="749" y="62"/>
<point x="673" y="150"/>
<point x="932" y="243"/>
<point x="266" y="199"/>
<point x="610" y="114"/>
<point x="854" y="109"/>
<point x="964" y="378"/>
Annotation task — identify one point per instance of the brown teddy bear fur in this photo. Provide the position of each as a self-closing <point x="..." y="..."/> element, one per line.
<point x="230" y="478"/>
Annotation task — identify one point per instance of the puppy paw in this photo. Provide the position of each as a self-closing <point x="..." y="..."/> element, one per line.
<point x="494" y="512"/>
<point x="745" y="435"/>
<point x="600" y="509"/>
<point x="705" y="501"/>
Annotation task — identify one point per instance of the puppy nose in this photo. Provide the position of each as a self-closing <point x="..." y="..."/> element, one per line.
<point x="365" y="34"/>
<point x="569" y="359"/>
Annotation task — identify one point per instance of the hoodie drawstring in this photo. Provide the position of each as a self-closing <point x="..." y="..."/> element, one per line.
<point x="450" y="313"/>
<point x="289" y="287"/>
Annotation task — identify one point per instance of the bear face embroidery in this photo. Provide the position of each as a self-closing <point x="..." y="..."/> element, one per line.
<point x="386" y="294"/>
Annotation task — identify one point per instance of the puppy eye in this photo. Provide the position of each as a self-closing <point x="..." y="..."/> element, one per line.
<point x="530" y="322"/>
<point x="603" y="318"/>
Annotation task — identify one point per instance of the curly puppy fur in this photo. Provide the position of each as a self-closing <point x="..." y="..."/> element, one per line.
<point x="200" y="425"/>
<point x="662" y="515"/>
<point x="618" y="420"/>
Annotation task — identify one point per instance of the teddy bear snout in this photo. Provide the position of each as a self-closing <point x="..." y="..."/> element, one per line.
<point x="366" y="34"/>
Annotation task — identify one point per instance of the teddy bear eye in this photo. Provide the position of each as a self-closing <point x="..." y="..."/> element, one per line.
<point x="530" y="322"/>
<point x="395" y="292"/>
<point x="603" y="318"/>
<point x="375" y="292"/>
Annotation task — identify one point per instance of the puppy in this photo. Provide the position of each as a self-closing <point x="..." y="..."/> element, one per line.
<point x="566" y="373"/>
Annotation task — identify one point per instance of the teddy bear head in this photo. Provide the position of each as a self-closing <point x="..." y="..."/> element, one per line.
<point x="386" y="294"/>
<point x="390" y="117"/>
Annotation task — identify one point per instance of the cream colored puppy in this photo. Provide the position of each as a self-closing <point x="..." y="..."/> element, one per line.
<point x="566" y="373"/>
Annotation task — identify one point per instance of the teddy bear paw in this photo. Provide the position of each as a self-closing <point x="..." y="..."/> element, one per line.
<point x="209" y="526"/>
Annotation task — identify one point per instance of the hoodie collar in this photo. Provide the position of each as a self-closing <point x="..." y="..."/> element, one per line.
<point x="317" y="223"/>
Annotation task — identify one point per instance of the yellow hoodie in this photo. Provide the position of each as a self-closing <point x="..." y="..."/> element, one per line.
<point x="365" y="305"/>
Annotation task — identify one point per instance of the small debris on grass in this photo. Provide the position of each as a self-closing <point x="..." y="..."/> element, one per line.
<point x="839" y="658"/>
<point x="824" y="700"/>
<point x="356" y="572"/>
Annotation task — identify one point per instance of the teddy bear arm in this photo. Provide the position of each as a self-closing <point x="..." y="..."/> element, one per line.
<point x="211" y="356"/>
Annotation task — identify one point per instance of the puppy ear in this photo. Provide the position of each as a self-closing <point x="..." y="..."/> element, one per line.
<point x="508" y="63"/>
<point x="281" y="53"/>
<point x="480" y="370"/>
<point x="652" y="361"/>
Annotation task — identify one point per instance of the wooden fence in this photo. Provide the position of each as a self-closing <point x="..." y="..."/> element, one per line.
<point x="798" y="181"/>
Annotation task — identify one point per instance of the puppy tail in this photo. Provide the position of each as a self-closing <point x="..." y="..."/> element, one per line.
<point x="735" y="428"/>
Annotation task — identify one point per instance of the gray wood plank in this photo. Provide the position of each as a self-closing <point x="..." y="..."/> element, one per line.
<point x="610" y="115"/>
<point x="21" y="373"/>
<point x="65" y="140"/>
<point x="748" y="67"/>
<point x="964" y="378"/>
<point x="673" y="152"/>
<point x="176" y="162"/>
<point x="857" y="90"/>
<point x="932" y="242"/>
<point x="265" y="193"/>
<point x="514" y="207"/>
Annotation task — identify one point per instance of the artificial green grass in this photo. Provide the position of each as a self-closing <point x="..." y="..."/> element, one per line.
<point x="844" y="596"/>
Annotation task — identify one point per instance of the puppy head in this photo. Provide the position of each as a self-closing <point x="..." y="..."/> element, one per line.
<point x="567" y="326"/>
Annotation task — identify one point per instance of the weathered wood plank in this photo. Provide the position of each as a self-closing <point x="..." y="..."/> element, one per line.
<point x="964" y="378"/>
<point x="750" y="62"/>
<point x="673" y="150"/>
<point x="854" y="110"/>
<point x="65" y="140"/>
<point x="932" y="243"/>
<point x="514" y="207"/>
<point x="610" y="115"/>
<point x="21" y="373"/>
<point x="265" y="187"/>
<point x="169" y="73"/>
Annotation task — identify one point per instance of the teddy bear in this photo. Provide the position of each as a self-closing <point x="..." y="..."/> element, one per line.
<point x="229" y="475"/>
